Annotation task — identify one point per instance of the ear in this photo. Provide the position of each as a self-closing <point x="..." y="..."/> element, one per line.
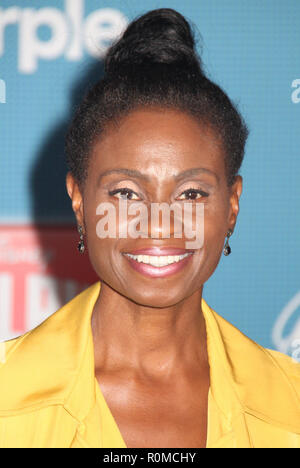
<point x="76" y="196"/>
<point x="236" y="191"/>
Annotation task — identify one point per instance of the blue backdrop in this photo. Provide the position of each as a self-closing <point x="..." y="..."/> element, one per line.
<point x="249" y="47"/>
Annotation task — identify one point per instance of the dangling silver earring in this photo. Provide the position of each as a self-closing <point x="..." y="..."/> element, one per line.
<point x="81" y="246"/>
<point x="227" y="248"/>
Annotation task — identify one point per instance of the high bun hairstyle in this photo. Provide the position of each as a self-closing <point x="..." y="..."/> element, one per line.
<point x="155" y="64"/>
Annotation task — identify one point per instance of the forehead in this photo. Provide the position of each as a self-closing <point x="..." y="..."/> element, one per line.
<point x="163" y="137"/>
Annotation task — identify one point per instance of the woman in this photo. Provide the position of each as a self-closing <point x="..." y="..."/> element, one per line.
<point x="140" y="359"/>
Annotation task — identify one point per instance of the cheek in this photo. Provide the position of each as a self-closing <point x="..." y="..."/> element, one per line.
<point x="104" y="253"/>
<point x="208" y="257"/>
<point x="109" y="265"/>
<point x="105" y="257"/>
<point x="99" y="250"/>
<point x="215" y="226"/>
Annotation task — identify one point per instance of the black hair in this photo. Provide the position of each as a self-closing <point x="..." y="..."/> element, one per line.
<point x="155" y="63"/>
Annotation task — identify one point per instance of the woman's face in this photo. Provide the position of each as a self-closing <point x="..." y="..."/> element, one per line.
<point x="156" y="150"/>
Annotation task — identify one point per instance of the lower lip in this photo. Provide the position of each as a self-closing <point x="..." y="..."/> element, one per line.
<point x="158" y="272"/>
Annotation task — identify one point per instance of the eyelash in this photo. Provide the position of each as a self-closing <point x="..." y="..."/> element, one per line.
<point x="195" y="191"/>
<point x="113" y="192"/>
<point x="126" y="190"/>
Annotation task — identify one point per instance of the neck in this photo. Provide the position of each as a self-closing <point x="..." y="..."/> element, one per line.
<point x="152" y="342"/>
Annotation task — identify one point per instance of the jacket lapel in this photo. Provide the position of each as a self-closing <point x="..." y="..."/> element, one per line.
<point x="253" y="392"/>
<point x="255" y="396"/>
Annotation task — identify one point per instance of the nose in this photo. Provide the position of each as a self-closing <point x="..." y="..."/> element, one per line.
<point x="159" y="220"/>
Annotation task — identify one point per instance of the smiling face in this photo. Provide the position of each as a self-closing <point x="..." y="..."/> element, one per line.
<point x="156" y="156"/>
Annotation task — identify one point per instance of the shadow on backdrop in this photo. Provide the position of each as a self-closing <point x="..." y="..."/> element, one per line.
<point x="52" y="214"/>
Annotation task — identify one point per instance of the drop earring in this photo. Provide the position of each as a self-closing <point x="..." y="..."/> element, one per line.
<point x="81" y="246"/>
<point x="227" y="248"/>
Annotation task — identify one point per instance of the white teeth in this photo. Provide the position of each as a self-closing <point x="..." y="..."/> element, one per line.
<point x="158" y="261"/>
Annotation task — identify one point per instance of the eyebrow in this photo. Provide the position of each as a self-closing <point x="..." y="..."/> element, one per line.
<point x="196" y="171"/>
<point x="134" y="173"/>
<point x="129" y="172"/>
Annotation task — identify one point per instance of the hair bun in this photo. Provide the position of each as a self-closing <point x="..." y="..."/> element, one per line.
<point x="161" y="36"/>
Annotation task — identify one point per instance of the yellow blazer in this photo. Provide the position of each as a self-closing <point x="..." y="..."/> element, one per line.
<point x="50" y="397"/>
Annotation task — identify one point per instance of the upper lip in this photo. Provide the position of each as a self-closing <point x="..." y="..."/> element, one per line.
<point x="159" y="251"/>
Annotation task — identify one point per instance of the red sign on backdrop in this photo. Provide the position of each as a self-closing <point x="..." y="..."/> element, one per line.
<point x="40" y="270"/>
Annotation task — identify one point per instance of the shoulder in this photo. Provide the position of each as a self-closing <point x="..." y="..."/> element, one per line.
<point x="25" y="370"/>
<point x="38" y="368"/>
<point x="7" y="347"/>
<point x="266" y="382"/>
<point x="250" y="358"/>
<point x="47" y="378"/>
<point x="289" y="367"/>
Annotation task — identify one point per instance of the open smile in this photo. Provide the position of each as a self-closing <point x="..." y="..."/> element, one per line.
<point x="157" y="266"/>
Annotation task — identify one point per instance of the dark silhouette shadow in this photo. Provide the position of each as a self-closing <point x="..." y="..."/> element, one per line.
<point x="51" y="207"/>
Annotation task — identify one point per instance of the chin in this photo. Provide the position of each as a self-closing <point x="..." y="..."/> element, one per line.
<point x="155" y="300"/>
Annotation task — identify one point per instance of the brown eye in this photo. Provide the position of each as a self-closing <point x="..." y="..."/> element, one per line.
<point x="124" y="193"/>
<point x="192" y="194"/>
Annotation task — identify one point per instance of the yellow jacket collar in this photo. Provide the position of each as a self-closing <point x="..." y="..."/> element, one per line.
<point x="64" y="344"/>
<point x="245" y="378"/>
